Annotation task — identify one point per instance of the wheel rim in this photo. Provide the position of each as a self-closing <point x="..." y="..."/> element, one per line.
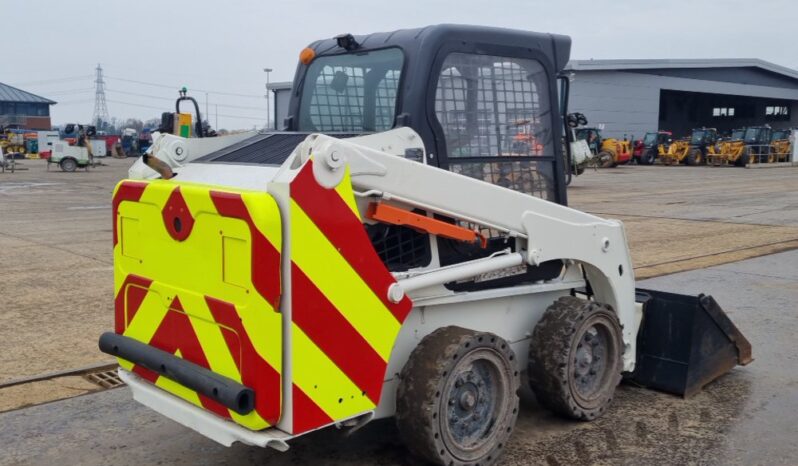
<point x="477" y="395"/>
<point x="592" y="365"/>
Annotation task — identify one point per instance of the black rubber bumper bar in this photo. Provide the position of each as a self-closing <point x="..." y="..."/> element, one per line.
<point x="224" y="390"/>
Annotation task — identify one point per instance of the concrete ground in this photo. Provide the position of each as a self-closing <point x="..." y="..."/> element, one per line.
<point x="746" y="417"/>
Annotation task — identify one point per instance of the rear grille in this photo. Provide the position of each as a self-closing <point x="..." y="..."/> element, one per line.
<point x="262" y="149"/>
<point x="105" y="379"/>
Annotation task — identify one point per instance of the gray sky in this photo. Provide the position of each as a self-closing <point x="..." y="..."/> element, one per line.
<point x="51" y="47"/>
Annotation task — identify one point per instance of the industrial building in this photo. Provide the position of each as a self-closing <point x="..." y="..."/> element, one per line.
<point x="631" y="97"/>
<point x="23" y="109"/>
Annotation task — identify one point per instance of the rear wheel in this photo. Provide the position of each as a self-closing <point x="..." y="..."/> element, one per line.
<point x="575" y="358"/>
<point x="457" y="400"/>
<point x="606" y="160"/>
<point x="695" y="157"/>
<point x="69" y="165"/>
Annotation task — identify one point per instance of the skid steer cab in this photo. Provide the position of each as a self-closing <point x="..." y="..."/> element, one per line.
<point x="398" y="251"/>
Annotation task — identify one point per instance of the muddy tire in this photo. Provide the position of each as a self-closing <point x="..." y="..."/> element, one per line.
<point x="744" y="159"/>
<point x="68" y="165"/>
<point x="457" y="399"/>
<point x="605" y="159"/>
<point x="695" y="157"/>
<point x="575" y="358"/>
<point x="649" y="157"/>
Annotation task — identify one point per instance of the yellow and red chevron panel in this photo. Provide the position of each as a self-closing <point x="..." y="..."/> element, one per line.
<point x="343" y="325"/>
<point x="197" y="274"/>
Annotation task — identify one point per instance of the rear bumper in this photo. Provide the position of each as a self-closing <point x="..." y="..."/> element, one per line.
<point x="224" y="390"/>
<point x="199" y="420"/>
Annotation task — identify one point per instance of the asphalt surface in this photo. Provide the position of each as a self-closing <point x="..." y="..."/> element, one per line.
<point x="746" y="417"/>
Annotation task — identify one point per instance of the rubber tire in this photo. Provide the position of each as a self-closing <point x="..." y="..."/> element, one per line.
<point x="419" y="399"/>
<point x="603" y="156"/>
<point x="648" y="157"/>
<point x="744" y="159"/>
<point x="695" y="157"/>
<point x="550" y="354"/>
<point x="68" y="165"/>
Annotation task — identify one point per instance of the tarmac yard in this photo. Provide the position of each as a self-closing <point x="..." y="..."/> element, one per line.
<point x="696" y="223"/>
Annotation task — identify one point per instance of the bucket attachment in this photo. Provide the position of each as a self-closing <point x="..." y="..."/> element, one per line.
<point x="685" y="342"/>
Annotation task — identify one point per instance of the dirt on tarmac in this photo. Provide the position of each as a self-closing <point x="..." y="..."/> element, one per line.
<point x="56" y="281"/>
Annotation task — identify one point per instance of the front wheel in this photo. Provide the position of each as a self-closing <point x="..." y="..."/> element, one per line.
<point x="648" y="157"/>
<point x="695" y="157"/>
<point x="744" y="159"/>
<point x="68" y="165"/>
<point x="575" y="358"/>
<point x="457" y="399"/>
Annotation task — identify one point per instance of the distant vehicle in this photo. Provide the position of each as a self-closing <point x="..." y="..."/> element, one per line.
<point x="781" y="143"/>
<point x="693" y="150"/>
<point x="70" y="157"/>
<point x="651" y="146"/>
<point x="610" y="151"/>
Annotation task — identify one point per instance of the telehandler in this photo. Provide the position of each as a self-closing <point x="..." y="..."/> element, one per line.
<point x="729" y="150"/>
<point x="384" y="256"/>
<point x="652" y="146"/>
<point x="757" y="145"/>
<point x="693" y="150"/>
<point x="781" y="144"/>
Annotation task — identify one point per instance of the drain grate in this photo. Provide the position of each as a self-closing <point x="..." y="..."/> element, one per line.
<point x="105" y="379"/>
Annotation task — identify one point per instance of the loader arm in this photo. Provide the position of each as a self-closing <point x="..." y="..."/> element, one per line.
<point x="543" y="230"/>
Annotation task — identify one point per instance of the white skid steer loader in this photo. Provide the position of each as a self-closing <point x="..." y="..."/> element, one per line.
<point x="385" y="256"/>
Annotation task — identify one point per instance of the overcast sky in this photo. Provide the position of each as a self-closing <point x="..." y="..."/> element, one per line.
<point x="51" y="47"/>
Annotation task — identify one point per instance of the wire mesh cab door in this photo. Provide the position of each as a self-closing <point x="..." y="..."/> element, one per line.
<point x="494" y="116"/>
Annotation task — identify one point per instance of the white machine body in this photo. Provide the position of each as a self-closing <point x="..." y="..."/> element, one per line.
<point x="589" y="246"/>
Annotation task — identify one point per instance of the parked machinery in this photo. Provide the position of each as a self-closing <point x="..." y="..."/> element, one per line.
<point x="676" y="152"/>
<point x="693" y="150"/>
<point x="781" y="141"/>
<point x="580" y="154"/>
<point x="757" y="147"/>
<point x="729" y="150"/>
<point x="75" y="151"/>
<point x="610" y="152"/>
<point x="652" y="147"/>
<point x="403" y="264"/>
<point x="13" y="142"/>
<point x="128" y="142"/>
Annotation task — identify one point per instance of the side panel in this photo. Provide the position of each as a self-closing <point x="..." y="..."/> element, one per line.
<point x="343" y="326"/>
<point x="197" y="274"/>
